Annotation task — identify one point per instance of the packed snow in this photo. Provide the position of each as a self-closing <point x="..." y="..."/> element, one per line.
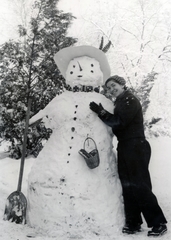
<point x="61" y="183"/>
<point x="160" y="166"/>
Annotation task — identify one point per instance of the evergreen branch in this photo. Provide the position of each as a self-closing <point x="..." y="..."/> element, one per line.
<point x="32" y="54"/>
<point x="3" y="93"/>
<point x="32" y="58"/>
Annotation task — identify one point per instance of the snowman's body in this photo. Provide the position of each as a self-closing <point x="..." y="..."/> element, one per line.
<point x="65" y="197"/>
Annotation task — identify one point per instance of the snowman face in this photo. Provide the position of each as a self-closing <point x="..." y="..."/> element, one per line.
<point x="84" y="71"/>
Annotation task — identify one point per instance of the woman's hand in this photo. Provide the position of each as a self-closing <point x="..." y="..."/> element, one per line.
<point x="96" y="108"/>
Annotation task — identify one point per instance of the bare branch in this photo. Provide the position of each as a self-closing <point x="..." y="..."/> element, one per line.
<point x="146" y="43"/>
<point x="126" y="74"/>
<point x="130" y="33"/>
<point x="104" y="33"/>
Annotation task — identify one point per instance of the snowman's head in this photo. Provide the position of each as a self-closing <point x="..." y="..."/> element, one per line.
<point x="83" y="65"/>
<point x="84" y="71"/>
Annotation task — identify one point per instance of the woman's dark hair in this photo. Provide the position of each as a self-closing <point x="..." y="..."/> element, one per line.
<point x="117" y="79"/>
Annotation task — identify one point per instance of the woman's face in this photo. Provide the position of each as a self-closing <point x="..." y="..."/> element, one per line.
<point x="114" y="88"/>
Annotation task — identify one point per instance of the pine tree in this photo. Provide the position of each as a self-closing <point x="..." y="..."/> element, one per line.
<point x="143" y="91"/>
<point x="27" y="69"/>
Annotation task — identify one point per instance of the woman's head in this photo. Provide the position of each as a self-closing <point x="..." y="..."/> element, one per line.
<point x="115" y="85"/>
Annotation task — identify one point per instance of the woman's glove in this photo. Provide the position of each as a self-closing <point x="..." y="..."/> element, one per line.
<point x="96" y="108"/>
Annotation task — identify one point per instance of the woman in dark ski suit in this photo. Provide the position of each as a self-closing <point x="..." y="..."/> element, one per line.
<point x="133" y="159"/>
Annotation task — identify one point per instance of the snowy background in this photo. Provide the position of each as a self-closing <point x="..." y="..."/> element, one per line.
<point x="94" y="19"/>
<point x="140" y="35"/>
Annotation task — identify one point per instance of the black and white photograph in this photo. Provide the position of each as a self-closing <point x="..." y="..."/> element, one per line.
<point x="85" y="119"/>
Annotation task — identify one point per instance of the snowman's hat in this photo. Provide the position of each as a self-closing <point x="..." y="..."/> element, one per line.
<point x="65" y="55"/>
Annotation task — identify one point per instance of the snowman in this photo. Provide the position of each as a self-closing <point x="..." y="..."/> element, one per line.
<point x="66" y="197"/>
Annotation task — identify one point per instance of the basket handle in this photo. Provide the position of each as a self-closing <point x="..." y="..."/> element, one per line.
<point x="90" y="139"/>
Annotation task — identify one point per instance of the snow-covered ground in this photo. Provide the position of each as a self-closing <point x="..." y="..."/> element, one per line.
<point x="160" y="172"/>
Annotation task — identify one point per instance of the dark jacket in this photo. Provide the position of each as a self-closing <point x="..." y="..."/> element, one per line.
<point x="127" y="120"/>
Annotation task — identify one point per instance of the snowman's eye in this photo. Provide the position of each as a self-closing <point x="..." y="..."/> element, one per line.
<point x="92" y="65"/>
<point x="92" y="71"/>
<point x="71" y="72"/>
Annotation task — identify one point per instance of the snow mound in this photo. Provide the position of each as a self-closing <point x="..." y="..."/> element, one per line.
<point x="65" y="197"/>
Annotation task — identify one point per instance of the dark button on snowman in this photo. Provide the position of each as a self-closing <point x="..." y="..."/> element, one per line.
<point x="86" y="201"/>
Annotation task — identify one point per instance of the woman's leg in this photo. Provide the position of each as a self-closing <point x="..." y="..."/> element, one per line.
<point x="132" y="211"/>
<point x="133" y="160"/>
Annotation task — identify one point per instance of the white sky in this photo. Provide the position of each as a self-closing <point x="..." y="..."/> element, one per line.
<point x="10" y="13"/>
<point x="7" y="21"/>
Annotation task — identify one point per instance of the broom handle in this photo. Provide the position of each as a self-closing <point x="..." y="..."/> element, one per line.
<point x="24" y="146"/>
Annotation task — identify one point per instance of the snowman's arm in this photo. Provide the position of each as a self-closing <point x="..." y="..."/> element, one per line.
<point x="44" y="112"/>
<point x="37" y="117"/>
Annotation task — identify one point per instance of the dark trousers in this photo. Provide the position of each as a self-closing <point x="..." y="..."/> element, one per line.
<point x="133" y="160"/>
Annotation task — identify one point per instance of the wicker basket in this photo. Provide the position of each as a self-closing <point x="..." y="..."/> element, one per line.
<point x="92" y="158"/>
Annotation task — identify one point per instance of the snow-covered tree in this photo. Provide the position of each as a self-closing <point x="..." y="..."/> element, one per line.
<point x="27" y="70"/>
<point x="139" y="31"/>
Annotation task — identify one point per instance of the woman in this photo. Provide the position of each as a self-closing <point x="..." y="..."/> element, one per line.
<point x="133" y="159"/>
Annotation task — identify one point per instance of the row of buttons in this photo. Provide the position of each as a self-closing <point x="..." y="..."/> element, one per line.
<point x="73" y="130"/>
